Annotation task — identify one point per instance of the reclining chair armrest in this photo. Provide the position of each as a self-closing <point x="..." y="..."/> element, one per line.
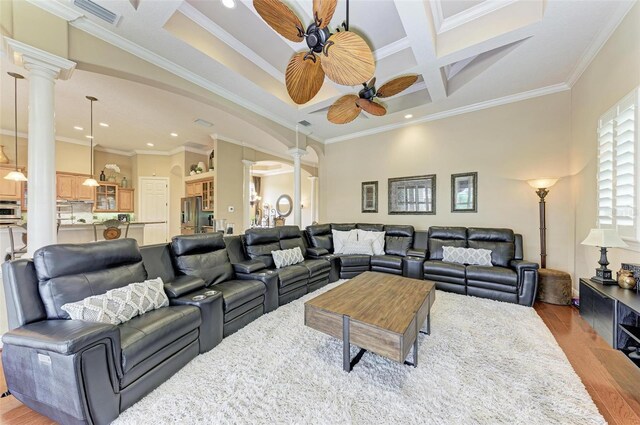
<point x="249" y="266"/>
<point x="183" y="284"/>
<point x="270" y="280"/>
<point x="316" y="253"/>
<point x="63" y="336"/>
<point x="527" y="281"/>
<point x="85" y="356"/>
<point x="422" y="253"/>
<point x="211" y="307"/>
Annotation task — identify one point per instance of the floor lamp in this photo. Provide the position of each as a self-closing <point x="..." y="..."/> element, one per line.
<point x="542" y="186"/>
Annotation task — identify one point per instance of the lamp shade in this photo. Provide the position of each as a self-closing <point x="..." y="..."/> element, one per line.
<point x="91" y="182"/>
<point x="604" y="238"/>
<point x="16" y="176"/>
<point x="542" y="183"/>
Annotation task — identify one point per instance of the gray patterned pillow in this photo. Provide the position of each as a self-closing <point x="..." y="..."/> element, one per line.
<point x="473" y="256"/>
<point x="364" y="247"/>
<point x="121" y="304"/>
<point x="287" y="257"/>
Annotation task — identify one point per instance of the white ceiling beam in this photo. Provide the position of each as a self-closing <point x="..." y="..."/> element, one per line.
<point x="417" y="21"/>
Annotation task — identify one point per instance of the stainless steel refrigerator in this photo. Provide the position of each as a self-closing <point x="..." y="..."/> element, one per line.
<point x="192" y="218"/>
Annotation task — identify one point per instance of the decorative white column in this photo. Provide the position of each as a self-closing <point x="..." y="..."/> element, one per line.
<point x="246" y="194"/>
<point x="314" y="199"/>
<point x="44" y="68"/>
<point x="296" y="154"/>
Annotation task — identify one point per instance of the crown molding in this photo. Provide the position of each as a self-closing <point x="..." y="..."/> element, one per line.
<point x="486" y="7"/>
<point x="114" y="151"/>
<point x="86" y="25"/>
<point x="260" y="149"/>
<point x="214" y="29"/>
<point x="599" y="41"/>
<point x="457" y="111"/>
<point x="391" y="49"/>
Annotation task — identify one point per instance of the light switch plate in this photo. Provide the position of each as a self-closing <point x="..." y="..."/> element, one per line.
<point x="231" y="209"/>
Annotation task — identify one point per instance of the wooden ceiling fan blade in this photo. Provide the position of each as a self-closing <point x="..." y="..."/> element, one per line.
<point x="347" y="59"/>
<point x="373" y="108"/>
<point x="395" y="86"/>
<point x="280" y="18"/>
<point x="304" y="77"/>
<point x="344" y="110"/>
<point x="323" y="11"/>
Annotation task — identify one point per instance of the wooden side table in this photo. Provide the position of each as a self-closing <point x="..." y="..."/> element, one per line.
<point x="554" y="287"/>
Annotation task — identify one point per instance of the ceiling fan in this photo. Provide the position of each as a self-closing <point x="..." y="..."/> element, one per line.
<point x="348" y="107"/>
<point x="343" y="56"/>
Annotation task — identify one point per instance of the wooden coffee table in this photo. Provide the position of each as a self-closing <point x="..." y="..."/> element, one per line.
<point x="378" y="312"/>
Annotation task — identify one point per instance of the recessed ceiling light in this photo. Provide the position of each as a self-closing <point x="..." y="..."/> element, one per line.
<point x="104" y="124"/>
<point x="229" y="3"/>
<point x="408" y="116"/>
<point x="77" y="127"/>
<point x="174" y="134"/>
<point x="150" y="144"/>
<point x="88" y="136"/>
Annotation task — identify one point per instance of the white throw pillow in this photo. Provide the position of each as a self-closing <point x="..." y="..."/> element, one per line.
<point x="287" y="257"/>
<point x="121" y="304"/>
<point x="358" y="247"/>
<point x="472" y="256"/>
<point x="340" y="238"/>
<point x="377" y="239"/>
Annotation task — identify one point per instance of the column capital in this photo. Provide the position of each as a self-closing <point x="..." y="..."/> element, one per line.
<point x="248" y="163"/>
<point x="32" y="58"/>
<point x="297" y="152"/>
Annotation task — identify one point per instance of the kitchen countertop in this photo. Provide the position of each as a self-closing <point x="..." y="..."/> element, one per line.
<point x="133" y="223"/>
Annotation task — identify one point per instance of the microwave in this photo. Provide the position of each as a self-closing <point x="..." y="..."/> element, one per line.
<point x="10" y="211"/>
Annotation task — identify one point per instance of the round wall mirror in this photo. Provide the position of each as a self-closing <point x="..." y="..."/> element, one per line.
<point x="284" y="205"/>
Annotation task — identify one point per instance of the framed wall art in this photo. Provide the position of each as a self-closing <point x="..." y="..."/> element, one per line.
<point x="464" y="192"/>
<point x="412" y="195"/>
<point x="370" y="197"/>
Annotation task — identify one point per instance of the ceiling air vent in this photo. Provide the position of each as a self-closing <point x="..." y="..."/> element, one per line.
<point x="304" y="123"/>
<point x="98" y="11"/>
<point x="203" y="123"/>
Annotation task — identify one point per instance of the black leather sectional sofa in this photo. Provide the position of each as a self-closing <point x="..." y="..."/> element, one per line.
<point x="79" y="372"/>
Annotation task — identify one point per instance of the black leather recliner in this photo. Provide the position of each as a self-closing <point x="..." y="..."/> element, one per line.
<point x="205" y="256"/>
<point x="295" y="280"/>
<point x="509" y="278"/>
<point x="83" y="372"/>
<point x="398" y="242"/>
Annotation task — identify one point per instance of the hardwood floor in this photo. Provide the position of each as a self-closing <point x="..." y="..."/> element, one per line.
<point x="611" y="379"/>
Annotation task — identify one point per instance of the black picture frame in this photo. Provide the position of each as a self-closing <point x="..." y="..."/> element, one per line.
<point x="369" y="197"/>
<point x="404" y="195"/>
<point x="464" y="202"/>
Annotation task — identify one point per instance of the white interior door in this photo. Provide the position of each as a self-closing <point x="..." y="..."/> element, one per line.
<point x="153" y="196"/>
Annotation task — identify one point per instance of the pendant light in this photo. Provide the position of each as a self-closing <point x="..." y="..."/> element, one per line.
<point x="15" y="175"/>
<point x="91" y="181"/>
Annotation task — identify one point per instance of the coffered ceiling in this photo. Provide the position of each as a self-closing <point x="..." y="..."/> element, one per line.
<point x="469" y="54"/>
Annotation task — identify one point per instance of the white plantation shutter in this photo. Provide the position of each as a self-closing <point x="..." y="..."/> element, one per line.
<point x="618" y="185"/>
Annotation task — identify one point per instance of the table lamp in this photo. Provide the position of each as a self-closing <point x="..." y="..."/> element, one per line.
<point x="604" y="238"/>
<point x="543" y="186"/>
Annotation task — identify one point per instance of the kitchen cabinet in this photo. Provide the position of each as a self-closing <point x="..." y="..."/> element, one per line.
<point x="69" y="187"/>
<point x="106" y="198"/>
<point x="125" y="200"/>
<point x="9" y="189"/>
<point x="204" y="189"/>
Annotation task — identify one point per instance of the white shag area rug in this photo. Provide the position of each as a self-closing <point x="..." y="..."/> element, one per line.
<point x="485" y="362"/>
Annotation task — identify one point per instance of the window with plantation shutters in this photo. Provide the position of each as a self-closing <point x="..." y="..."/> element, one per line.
<point x="618" y="186"/>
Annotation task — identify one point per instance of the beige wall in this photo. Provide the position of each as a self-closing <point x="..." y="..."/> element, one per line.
<point x="272" y="187"/>
<point x="229" y="183"/>
<point x="124" y="162"/>
<point x="611" y="75"/>
<point x="506" y="145"/>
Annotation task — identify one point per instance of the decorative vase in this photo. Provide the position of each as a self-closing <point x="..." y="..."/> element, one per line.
<point x="192" y="172"/>
<point x="124" y="183"/>
<point x="626" y="280"/>
<point x="112" y="179"/>
<point x="102" y="176"/>
<point x="201" y="166"/>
